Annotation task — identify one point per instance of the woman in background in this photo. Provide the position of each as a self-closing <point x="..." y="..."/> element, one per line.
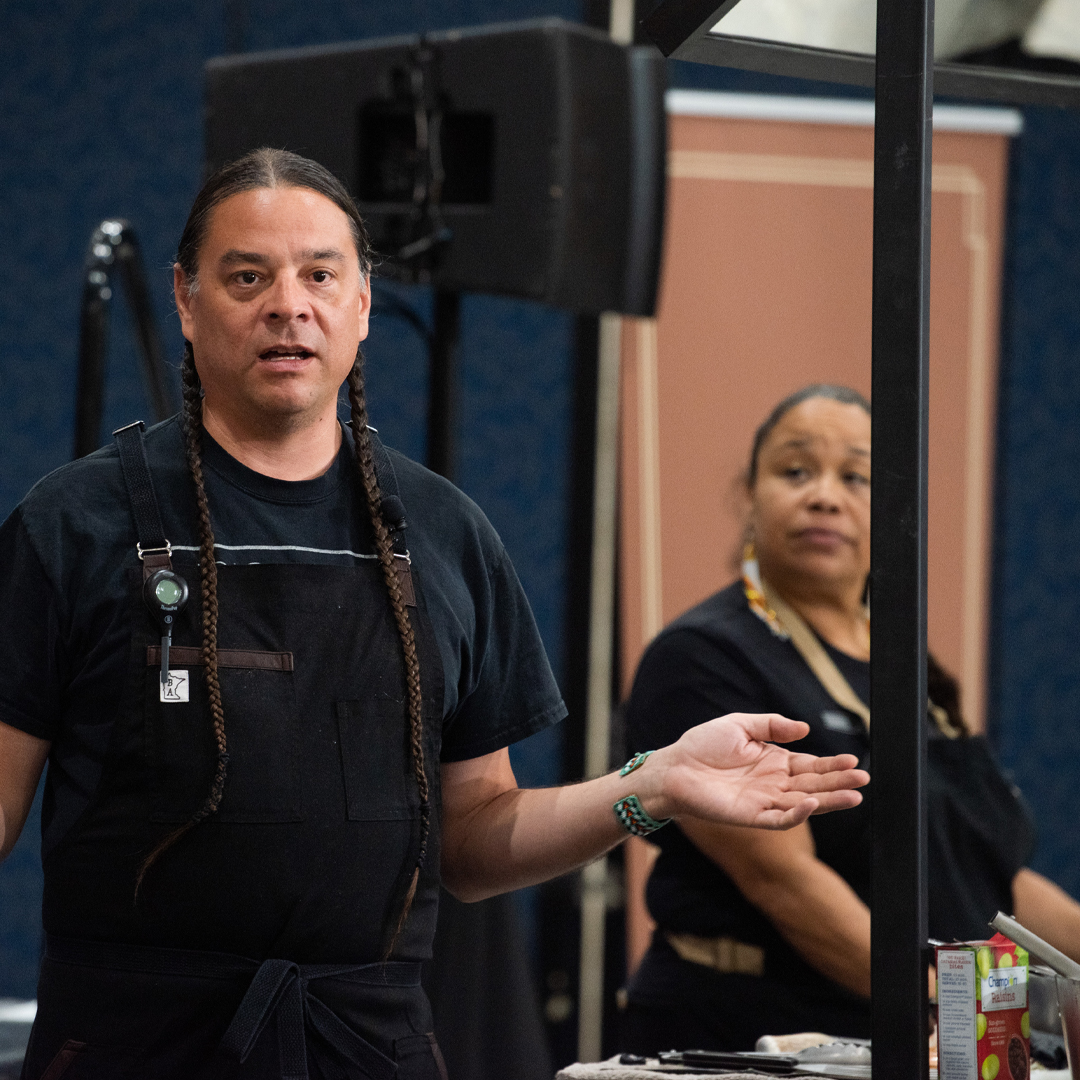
<point x="770" y="932"/>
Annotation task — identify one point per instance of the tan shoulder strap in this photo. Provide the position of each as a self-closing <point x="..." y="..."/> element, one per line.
<point x="817" y="659"/>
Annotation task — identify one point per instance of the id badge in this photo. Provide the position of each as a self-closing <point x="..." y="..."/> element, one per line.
<point x="177" y="687"/>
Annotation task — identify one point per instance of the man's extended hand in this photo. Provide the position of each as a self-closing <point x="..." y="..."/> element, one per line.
<point x="498" y="837"/>
<point x="725" y="771"/>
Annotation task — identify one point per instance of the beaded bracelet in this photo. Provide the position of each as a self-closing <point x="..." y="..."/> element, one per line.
<point x="635" y="763"/>
<point x="631" y="815"/>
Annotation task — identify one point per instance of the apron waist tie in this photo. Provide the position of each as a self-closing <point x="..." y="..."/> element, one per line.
<point x="281" y="987"/>
<point x="278" y="988"/>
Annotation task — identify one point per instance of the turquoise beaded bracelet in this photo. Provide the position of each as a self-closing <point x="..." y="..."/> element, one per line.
<point x="631" y="815"/>
<point x="635" y="763"/>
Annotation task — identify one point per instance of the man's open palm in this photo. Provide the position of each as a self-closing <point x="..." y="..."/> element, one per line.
<point x="725" y="770"/>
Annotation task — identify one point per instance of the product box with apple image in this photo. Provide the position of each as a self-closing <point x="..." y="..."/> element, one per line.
<point x="984" y="1031"/>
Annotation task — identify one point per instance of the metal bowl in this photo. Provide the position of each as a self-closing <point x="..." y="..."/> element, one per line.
<point x="1043" y="1000"/>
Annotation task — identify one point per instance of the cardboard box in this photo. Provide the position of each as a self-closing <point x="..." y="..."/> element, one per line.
<point x="984" y="1032"/>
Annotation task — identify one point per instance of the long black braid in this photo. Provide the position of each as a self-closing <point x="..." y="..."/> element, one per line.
<point x="365" y="460"/>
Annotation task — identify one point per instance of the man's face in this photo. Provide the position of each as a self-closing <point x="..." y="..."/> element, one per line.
<point x="280" y="308"/>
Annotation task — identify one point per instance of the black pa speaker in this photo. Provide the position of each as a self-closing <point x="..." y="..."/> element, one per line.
<point x="522" y="158"/>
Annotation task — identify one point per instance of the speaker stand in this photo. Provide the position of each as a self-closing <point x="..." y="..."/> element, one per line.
<point x="444" y="393"/>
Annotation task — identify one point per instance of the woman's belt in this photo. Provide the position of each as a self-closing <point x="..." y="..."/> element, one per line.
<point x="722" y="954"/>
<point x="278" y="988"/>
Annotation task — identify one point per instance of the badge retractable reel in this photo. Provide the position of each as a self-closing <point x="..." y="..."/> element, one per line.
<point x="165" y="593"/>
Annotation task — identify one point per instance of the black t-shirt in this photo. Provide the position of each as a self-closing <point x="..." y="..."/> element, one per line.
<point x="66" y="548"/>
<point x="720" y="658"/>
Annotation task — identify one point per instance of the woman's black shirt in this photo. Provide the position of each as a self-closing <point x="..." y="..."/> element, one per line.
<point x="720" y="658"/>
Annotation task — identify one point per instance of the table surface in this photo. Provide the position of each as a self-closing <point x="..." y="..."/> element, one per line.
<point x="612" y="1070"/>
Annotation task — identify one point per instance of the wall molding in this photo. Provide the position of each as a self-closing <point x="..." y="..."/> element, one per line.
<point x="853" y="112"/>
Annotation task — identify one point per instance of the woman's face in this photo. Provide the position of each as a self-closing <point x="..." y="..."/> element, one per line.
<point x="810" y="503"/>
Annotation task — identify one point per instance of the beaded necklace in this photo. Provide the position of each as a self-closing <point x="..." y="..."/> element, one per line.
<point x="758" y="602"/>
<point x="755" y="597"/>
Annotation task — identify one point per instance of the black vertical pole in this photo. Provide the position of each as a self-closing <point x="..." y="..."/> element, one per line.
<point x="901" y="300"/>
<point x="443" y="389"/>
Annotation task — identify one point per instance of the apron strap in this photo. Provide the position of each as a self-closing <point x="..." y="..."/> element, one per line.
<point x="828" y="674"/>
<point x="394" y="512"/>
<point x="154" y="550"/>
<point x="817" y="659"/>
<point x="392" y="507"/>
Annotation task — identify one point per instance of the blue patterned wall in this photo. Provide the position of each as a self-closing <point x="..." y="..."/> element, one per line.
<point x="1035" y="660"/>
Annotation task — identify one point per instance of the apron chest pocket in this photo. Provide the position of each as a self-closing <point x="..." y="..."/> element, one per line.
<point x="378" y="773"/>
<point x="262" y="734"/>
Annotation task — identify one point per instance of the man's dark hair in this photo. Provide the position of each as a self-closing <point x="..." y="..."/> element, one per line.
<point x="843" y="394"/>
<point x="266" y="168"/>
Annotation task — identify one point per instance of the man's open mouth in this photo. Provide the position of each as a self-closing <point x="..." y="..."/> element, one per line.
<point x="286" y="353"/>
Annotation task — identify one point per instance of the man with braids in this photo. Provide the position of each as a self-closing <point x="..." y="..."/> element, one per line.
<point x="243" y="843"/>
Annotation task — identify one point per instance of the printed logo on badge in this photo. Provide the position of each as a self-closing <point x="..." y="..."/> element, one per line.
<point x="176" y="688"/>
<point x="835" y="720"/>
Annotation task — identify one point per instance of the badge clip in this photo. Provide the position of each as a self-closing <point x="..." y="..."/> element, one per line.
<point x="165" y="593"/>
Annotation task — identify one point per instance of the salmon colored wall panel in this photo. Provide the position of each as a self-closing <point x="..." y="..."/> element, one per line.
<point x="767" y="287"/>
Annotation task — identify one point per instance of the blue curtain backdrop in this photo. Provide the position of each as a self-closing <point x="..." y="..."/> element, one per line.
<point x="1035" y="662"/>
<point x="100" y="114"/>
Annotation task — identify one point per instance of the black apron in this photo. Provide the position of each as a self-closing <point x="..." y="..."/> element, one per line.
<point x="980" y="835"/>
<point x="253" y="947"/>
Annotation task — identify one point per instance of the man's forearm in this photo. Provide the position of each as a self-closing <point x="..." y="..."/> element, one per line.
<point x="497" y="837"/>
<point x="522" y="837"/>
